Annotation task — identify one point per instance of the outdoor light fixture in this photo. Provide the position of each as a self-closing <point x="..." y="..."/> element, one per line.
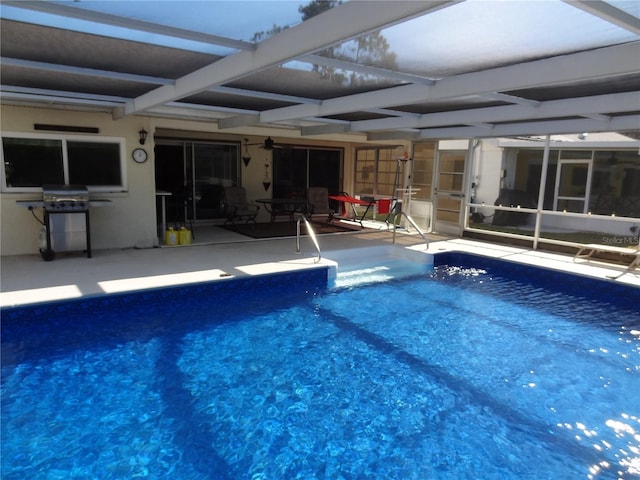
<point x="143" y="136"/>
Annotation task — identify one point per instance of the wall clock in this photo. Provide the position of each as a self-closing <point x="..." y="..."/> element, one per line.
<point x="139" y="155"/>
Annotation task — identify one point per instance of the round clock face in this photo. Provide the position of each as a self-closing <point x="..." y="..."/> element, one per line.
<point x="140" y="155"/>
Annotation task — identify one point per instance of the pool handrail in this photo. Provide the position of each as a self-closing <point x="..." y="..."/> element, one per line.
<point x="413" y="224"/>
<point x="312" y="234"/>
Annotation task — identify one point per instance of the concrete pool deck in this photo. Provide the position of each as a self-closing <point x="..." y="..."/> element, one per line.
<point x="27" y="279"/>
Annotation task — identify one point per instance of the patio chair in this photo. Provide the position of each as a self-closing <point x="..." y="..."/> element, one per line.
<point x="347" y="199"/>
<point x="318" y="202"/>
<point x="236" y="206"/>
<point x="630" y="256"/>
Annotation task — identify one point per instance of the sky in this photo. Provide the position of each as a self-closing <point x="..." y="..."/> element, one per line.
<point x="485" y="30"/>
<point x="237" y="19"/>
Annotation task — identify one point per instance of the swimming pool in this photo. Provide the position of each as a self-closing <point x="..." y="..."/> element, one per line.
<point x="478" y="370"/>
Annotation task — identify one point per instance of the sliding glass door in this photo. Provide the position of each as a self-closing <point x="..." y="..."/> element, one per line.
<point x="195" y="174"/>
<point x="296" y="169"/>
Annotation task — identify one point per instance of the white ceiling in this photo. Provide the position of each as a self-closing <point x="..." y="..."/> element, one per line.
<point x="435" y="69"/>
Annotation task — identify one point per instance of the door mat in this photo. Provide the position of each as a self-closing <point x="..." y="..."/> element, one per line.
<point x="285" y="229"/>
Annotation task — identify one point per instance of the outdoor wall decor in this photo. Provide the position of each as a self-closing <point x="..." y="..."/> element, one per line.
<point x="267" y="181"/>
<point x="246" y="158"/>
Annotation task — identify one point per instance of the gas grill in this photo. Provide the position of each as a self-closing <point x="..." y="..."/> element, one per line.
<point x="61" y="204"/>
<point x="65" y="198"/>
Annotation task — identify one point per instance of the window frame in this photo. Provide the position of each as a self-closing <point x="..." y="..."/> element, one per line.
<point x="311" y="162"/>
<point x="64" y="139"/>
<point x="594" y="156"/>
<point x="381" y="176"/>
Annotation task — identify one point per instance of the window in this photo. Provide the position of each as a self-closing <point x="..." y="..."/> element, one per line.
<point x="93" y="163"/>
<point x="31" y="162"/>
<point x="365" y="182"/>
<point x="424" y="154"/>
<point x="378" y="171"/>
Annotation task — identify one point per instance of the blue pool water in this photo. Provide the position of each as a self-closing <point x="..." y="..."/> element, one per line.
<point x="476" y="370"/>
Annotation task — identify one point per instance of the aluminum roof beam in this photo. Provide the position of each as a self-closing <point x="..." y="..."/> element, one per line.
<point x="350" y="20"/>
<point x="604" y="62"/>
<point x="584" y="106"/>
<point x="118" y="21"/>
<point x="608" y="12"/>
<point x="614" y="124"/>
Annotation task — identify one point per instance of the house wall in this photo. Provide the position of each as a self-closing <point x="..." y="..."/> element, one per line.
<point x="485" y="174"/>
<point x="130" y="220"/>
<point x="606" y="226"/>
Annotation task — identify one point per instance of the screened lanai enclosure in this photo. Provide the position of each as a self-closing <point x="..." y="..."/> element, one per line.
<point x="513" y="117"/>
<point x="564" y="194"/>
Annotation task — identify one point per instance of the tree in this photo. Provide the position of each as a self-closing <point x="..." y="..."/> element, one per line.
<point x="371" y="49"/>
<point x="259" y="36"/>
<point x="316" y="7"/>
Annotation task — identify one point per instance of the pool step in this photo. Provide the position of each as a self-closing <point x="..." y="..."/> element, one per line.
<point x="362" y="276"/>
<point x="361" y="266"/>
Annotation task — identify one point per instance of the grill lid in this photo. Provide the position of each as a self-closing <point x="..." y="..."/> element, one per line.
<point x="71" y="191"/>
<point x="65" y="198"/>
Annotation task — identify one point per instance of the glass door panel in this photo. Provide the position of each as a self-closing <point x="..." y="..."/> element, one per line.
<point x="296" y="169"/>
<point x="449" y="191"/>
<point x="213" y="167"/>
<point x="290" y="172"/>
<point x="572" y="185"/>
<point x="194" y="175"/>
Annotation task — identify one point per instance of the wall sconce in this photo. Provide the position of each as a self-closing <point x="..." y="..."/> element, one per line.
<point x="143" y="136"/>
<point x="246" y="158"/>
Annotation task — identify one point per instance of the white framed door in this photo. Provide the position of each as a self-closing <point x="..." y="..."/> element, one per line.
<point x="573" y="184"/>
<point x="448" y="195"/>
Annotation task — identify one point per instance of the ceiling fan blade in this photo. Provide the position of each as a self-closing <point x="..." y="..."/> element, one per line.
<point x="268" y="144"/>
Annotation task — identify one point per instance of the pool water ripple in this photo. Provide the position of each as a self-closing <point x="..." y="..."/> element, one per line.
<point x="565" y="374"/>
<point x="462" y="374"/>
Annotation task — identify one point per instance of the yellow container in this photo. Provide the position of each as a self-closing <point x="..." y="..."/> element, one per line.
<point x="171" y="237"/>
<point x="184" y="236"/>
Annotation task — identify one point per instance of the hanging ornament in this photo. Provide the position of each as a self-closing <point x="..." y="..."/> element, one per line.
<point x="246" y="158"/>
<point x="267" y="181"/>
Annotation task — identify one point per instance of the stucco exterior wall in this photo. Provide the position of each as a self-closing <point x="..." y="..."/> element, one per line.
<point x="486" y="167"/>
<point x="130" y="220"/>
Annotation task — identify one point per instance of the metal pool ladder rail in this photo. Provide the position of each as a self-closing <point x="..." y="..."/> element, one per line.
<point x="413" y="224"/>
<point x="312" y="234"/>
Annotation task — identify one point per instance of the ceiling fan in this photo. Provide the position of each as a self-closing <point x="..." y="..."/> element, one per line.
<point x="268" y="144"/>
